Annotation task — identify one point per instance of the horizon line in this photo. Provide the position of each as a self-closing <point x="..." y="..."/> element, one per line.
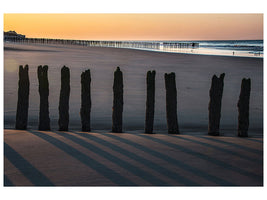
<point x="144" y="39"/>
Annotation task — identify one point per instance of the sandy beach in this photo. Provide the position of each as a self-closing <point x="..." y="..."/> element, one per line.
<point x="101" y="158"/>
<point x="52" y="158"/>
<point x="193" y="79"/>
<point x="126" y="105"/>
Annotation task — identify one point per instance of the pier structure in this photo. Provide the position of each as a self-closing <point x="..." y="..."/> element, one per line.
<point x="153" y="45"/>
<point x="179" y="45"/>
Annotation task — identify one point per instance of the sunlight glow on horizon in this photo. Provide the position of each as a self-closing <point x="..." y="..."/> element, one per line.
<point x="137" y="26"/>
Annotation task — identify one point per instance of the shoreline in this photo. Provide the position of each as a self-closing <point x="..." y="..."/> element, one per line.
<point x="136" y="49"/>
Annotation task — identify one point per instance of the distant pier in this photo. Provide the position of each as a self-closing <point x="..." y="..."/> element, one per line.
<point x="156" y="45"/>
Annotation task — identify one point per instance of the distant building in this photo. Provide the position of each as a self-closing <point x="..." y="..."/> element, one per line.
<point x="12" y="35"/>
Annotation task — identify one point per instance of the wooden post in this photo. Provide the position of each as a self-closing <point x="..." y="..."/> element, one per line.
<point x="63" y="107"/>
<point x="150" y="101"/>
<point x="216" y="92"/>
<point x="85" y="111"/>
<point x="117" y="101"/>
<point x="243" y="108"/>
<point x="44" y="120"/>
<point x="171" y="103"/>
<point x="23" y="98"/>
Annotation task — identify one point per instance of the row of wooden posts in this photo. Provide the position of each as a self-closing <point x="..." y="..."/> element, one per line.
<point x="118" y="44"/>
<point x="216" y="92"/>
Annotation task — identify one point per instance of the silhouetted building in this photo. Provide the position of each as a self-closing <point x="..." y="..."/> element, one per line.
<point x="12" y="35"/>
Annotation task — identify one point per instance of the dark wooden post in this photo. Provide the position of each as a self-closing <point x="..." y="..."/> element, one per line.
<point x="171" y="103"/>
<point x="86" y="100"/>
<point x="63" y="107"/>
<point x="117" y="102"/>
<point x="23" y="98"/>
<point x="44" y="120"/>
<point x="243" y="108"/>
<point x="216" y="92"/>
<point x="150" y="101"/>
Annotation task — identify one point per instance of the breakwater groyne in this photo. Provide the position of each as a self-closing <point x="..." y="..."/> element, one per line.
<point x="215" y="104"/>
<point x="157" y="45"/>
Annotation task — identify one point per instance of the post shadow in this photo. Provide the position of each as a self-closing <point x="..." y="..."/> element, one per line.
<point x="187" y="167"/>
<point x="221" y="163"/>
<point x="23" y="98"/>
<point x="63" y="108"/>
<point x="26" y="168"/>
<point x="117" y="109"/>
<point x="7" y="181"/>
<point x="216" y="92"/>
<point x="139" y="158"/>
<point x="138" y="171"/>
<point x="44" y="120"/>
<point x="86" y="159"/>
<point x="243" y="108"/>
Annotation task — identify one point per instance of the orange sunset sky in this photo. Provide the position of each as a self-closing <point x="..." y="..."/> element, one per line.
<point x="137" y="26"/>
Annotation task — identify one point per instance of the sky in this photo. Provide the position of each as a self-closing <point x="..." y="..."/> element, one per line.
<point x="137" y="26"/>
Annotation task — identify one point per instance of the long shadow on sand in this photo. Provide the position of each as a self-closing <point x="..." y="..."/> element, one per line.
<point x="145" y="167"/>
<point x="207" y="158"/>
<point x="234" y="145"/>
<point x="255" y="140"/>
<point x="133" y="169"/>
<point x="147" y="163"/>
<point x="195" y="171"/>
<point x="239" y="155"/>
<point x="29" y="171"/>
<point x="7" y="181"/>
<point x="100" y="168"/>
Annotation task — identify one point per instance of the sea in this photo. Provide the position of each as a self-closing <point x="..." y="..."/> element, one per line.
<point x="242" y="48"/>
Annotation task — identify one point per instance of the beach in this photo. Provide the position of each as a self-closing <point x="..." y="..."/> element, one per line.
<point x="193" y="80"/>
<point x="132" y="158"/>
<point x="74" y="158"/>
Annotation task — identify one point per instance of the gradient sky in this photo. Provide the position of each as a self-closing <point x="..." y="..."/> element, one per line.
<point x="137" y="26"/>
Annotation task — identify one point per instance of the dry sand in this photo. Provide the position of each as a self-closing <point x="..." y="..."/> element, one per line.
<point x="193" y="79"/>
<point x="38" y="158"/>
<point x="132" y="158"/>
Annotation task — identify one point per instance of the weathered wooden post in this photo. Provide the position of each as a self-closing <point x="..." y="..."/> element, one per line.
<point x="243" y="108"/>
<point x="44" y="120"/>
<point x="171" y="103"/>
<point x="117" y="102"/>
<point x="150" y="101"/>
<point x="23" y="98"/>
<point x="63" y="107"/>
<point x="85" y="111"/>
<point x="216" y="92"/>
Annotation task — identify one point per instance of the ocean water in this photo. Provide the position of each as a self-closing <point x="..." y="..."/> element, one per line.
<point x="193" y="78"/>
<point x="243" y="48"/>
<point x="237" y="48"/>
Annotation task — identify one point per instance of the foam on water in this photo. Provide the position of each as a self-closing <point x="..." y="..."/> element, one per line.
<point x="241" y="48"/>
